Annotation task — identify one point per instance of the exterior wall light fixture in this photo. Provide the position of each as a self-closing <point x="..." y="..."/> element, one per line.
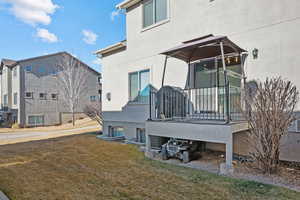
<point x="255" y="53"/>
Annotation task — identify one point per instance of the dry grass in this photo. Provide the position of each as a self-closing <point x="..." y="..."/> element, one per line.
<point x="79" y="123"/>
<point x="83" y="167"/>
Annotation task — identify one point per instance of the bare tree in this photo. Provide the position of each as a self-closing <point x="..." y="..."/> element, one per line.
<point x="270" y="112"/>
<point x="72" y="82"/>
<point x="94" y="112"/>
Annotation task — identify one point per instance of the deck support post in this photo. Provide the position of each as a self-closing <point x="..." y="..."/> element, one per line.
<point x="229" y="154"/>
<point x="226" y="83"/>
<point x="189" y="88"/>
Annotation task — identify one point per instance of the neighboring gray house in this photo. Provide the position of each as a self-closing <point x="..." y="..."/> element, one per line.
<point x="189" y="98"/>
<point x="29" y="91"/>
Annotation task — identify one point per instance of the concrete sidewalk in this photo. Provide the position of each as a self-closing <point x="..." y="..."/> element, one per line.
<point x="3" y="196"/>
<point x="16" y="137"/>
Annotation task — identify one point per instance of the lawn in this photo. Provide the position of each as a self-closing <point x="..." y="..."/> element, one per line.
<point x="83" y="167"/>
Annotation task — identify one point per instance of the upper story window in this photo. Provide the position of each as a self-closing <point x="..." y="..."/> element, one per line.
<point x="15" y="71"/>
<point x="42" y="70"/>
<point x="28" y="68"/>
<point x="43" y="96"/>
<point x="54" y="96"/>
<point x="29" y="95"/>
<point x="154" y="11"/>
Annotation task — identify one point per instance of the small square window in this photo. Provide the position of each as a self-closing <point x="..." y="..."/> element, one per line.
<point x="15" y="98"/>
<point x="29" y="95"/>
<point x="28" y="68"/>
<point x="93" y="98"/>
<point x="5" y="99"/>
<point x="42" y="70"/>
<point x="298" y="125"/>
<point x="43" y="96"/>
<point x="53" y="72"/>
<point x="54" y="96"/>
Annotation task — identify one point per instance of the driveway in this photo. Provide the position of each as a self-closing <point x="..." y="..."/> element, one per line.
<point x="15" y="137"/>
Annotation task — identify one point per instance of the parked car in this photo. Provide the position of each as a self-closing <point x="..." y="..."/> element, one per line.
<point x="181" y="149"/>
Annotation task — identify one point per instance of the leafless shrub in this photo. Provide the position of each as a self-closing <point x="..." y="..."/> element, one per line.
<point x="72" y="82"/>
<point x="93" y="111"/>
<point x="270" y="112"/>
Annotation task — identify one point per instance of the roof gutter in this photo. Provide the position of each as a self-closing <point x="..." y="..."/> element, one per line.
<point x="127" y="3"/>
<point x="111" y="48"/>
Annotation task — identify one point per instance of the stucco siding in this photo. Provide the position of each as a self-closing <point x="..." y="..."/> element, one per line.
<point x="245" y="22"/>
<point x="44" y="81"/>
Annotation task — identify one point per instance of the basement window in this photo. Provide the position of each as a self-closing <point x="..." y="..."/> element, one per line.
<point x="116" y="131"/>
<point x="36" y="120"/>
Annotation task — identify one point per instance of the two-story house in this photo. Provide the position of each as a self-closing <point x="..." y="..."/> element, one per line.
<point x="195" y="56"/>
<point x="30" y="95"/>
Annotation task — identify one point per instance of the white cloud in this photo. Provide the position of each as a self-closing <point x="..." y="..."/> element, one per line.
<point x="114" y="14"/>
<point x="33" y="12"/>
<point x="46" y="36"/>
<point x="97" y="61"/>
<point x="89" y="37"/>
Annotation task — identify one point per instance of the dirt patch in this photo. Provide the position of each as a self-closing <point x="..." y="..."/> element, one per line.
<point x="288" y="175"/>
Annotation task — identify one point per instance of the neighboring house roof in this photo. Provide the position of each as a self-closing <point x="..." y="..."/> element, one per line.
<point x="127" y="3"/>
<point x="111" y="48"/>
<point x="12" y="63"/>
<point x="8" y="63"/>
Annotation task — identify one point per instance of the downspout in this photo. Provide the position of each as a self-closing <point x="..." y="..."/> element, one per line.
<point x="226" y="83"/>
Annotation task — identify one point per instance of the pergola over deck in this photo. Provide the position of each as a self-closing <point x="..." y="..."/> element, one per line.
<point x="203" y="48"/>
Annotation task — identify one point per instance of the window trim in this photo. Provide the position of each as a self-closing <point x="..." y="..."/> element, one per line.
<point x="139" y="81"/>
<point x="155" y="24"/>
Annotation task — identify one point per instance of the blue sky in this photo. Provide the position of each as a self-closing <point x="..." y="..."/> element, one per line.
<point x="32" y="28"/>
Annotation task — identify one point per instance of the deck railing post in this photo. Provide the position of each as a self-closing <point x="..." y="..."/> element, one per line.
<point x="150" y="105"/>
<point x="226" y="83"/>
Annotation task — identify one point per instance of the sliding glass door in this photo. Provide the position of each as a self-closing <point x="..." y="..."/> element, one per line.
<point x="139" y="88"/>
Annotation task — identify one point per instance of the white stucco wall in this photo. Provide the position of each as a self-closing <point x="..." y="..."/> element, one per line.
<point x="271" y="26"/>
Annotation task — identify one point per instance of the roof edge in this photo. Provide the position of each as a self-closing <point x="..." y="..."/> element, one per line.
<point x="111" y="48"/>
<point x="127" y="3"/>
